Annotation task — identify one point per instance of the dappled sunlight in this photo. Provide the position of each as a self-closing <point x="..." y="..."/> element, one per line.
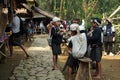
<point x="63" y="58"/>
<point x="111" y="57"/>
<point x="47" y="48"/>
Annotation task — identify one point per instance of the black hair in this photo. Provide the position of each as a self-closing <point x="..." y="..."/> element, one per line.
<point x="109" y="25"/>
<point x="97" y="19"/>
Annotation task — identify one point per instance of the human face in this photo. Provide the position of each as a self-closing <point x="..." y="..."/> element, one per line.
<point x="57" y="23"/>
<point x="106" y="21"/>
<point x="73" y="33"/>
<point x="94" y="24"/>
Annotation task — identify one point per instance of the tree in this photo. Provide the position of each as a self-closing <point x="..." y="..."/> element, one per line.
<point x="70" y="9"/>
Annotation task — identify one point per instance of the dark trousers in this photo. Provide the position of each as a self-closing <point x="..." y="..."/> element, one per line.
<point x="108" y="47"/>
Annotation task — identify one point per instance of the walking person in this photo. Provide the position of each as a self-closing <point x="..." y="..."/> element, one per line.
<point x="56" y="40"/>
<point x="96" y="46"/>
<point x="109" y="37"/>
<point x="15" y="38"/>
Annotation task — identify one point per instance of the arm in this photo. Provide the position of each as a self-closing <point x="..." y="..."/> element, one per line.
<point x="96" y="35"/>
<point x="54" y="32"/>
<point x="113" y="32"/>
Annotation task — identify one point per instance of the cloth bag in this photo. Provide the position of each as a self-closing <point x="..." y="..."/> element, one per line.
<point x="80" y="45"/>
<point x="49" y="39"/>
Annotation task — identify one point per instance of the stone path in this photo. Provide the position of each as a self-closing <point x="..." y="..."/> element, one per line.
<point x="39" y="66"/>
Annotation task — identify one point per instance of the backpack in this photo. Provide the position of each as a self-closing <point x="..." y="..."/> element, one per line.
<point x="79" y="45"/>
<point x="22" y="27"/>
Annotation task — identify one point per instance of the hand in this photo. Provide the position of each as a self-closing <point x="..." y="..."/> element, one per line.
<point x="62" y="30"/>
<point x="113" y="39"/>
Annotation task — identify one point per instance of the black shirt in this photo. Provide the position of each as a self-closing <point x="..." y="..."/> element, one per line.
<point x="56" y="37"/>
<point x="96" y="37"/>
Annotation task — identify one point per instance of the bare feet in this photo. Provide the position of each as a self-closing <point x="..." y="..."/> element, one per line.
<point x="97" y="77"/>
<point x="55" y="68"/>
<point x="27" y="57"/>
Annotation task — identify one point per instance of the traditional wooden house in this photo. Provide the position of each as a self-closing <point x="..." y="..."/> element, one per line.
<point x="27" y="9"/>
<point x="6" y="15"/>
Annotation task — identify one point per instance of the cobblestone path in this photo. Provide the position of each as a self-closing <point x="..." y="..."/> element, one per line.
<point x="39" y="66"/>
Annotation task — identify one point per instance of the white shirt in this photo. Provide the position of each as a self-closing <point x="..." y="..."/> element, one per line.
<point x="79" y="45"/>
<point x="104" y="29"/>
<point x="16" y="25"/>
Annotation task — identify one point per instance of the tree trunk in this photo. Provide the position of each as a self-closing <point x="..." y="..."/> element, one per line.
<point x="61" y="8"/>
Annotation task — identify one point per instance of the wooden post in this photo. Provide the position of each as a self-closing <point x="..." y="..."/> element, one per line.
<point x="3" y="24"/>
<point x="83" y="72"/>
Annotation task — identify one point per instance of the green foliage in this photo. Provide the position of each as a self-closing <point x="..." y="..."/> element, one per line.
<point x="82" y="9"/>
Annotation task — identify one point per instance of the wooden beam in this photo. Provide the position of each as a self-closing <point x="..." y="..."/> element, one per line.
<point x="115" y="12"/>
<point x="116" y="18"/>
<point x="45" y="13"/>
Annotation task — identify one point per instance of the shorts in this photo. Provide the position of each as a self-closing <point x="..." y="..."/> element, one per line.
<point x="72" y="62"/>
<point x="15" y="39"/>
<point x="96" y="54"/>
<point x="56" y="49"/>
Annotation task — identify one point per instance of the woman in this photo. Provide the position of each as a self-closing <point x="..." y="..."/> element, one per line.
<point x="109" y="37"/>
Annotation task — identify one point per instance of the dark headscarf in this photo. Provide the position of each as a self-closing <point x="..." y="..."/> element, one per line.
<point x="109" y="27"/>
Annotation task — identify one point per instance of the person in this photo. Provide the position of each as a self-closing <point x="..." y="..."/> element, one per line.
<point x="35" y="28"/>
<point x="96" y="45"/>
<point x="32" y="26"/>
<point x="42" y="27"/>
<point x="15" y="38"/>
<point x="109" y="37"/>
<point x="49" y="26"/>
<point x="72" y="63"/>
<point x="75" y="40"/>
<point x="56" y="40"/>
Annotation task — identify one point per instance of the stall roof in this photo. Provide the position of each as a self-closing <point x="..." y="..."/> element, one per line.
<point x="37" y="15"/>
<point x="27" y="6"/>
<point x="38" y="10"/>
<point x="45" y="13"/>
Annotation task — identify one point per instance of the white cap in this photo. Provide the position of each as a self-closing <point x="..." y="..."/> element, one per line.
<point x="74" y="27"/>
<point x="55" y="19"/>
<point x="81" y="27"/>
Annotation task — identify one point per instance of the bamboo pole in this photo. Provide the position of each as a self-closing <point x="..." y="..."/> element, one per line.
<point x="61" y="8"/>
<point x="115" y="12"/>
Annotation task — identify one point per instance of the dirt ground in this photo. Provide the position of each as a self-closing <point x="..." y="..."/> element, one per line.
<point x="110" y="65"/>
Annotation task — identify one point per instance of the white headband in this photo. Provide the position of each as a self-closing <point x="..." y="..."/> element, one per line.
<point x="95" y="21"/>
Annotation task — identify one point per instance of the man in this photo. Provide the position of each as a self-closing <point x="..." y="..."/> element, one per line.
<point x="56" y="40"/>
<point x="96" y="45"/>
<point x="77" y="46"/>
<point x="15" y="38"/>
<point x="72" y="63"/>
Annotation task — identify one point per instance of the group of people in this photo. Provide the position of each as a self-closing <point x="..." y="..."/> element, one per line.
<point x="79" y="37"/>
<point x="95" y="37"/>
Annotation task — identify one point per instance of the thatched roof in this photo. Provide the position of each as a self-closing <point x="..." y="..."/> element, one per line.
<point x="45" y="13"/>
